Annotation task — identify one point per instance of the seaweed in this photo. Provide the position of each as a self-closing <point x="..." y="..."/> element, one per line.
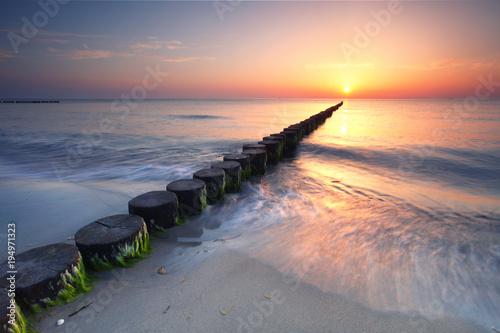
<point x="73" y="283"/>
<point x="231" y="186"/>
<point x="246" y="173"/>
<point x="203" y="198"/>
<point x="125" y="255"/>
<point x="215" y="192"/>
<point x="21" y="323"/>
<point x="276" y="156"/>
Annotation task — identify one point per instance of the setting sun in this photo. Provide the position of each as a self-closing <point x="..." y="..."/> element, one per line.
<point x="346" y="89"/>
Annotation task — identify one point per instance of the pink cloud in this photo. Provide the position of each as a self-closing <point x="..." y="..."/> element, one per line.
<point x="52" y="40"/>
<point x="447" y="63"/>
<point x="180" y="59"/>
<point x="5" y="55"/>
<point x="156" y="44"/>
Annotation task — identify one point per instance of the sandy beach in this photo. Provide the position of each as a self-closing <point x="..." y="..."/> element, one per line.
<point x="210" y="287"/>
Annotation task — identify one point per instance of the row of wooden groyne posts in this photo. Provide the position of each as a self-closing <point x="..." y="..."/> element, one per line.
<point x="54" y="274"/>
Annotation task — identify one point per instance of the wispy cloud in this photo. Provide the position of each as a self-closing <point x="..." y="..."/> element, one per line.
<point x="412" y="67"/>
<point x="56" y="33"/>
<point x="69" y="34"/>
<point x="156" y="45"/>
<point x="180" y="59"/>
<point x="441" y="64"/>
<point x="52" y="40"/>
<point x="478" y="65"/>
<point x="89" y="54"/>
<point x="449" y="64"/>
<point x="5" y="55"/>
<point x="338" y="65"/>
<point x="85" y="54"/>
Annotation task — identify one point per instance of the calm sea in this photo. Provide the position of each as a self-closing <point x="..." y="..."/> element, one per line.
<point x="394" y="203"/>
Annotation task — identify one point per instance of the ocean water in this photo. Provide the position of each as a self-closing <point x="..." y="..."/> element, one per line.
<point x="394" y="203"/>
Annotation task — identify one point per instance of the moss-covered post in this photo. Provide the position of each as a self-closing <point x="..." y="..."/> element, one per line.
<point x="291" y="139"/>
<point x="119" y="239"/>
<point x="273" y="149"/>
<point x="191" y="194"/>
<point x="307" y="125"/>
<point x="232" y="172"/>
<point x="244" y="161"/>
<point x="281" y="140"/>
<point x="314" y="121"/>
<point x="46" y="276"/>
<point x="279" y="135"/>
<point x="253" y="146"/>
<point x="299" y="128"/>
<point x="258" y="160"/>
<point x="215" y="182"/>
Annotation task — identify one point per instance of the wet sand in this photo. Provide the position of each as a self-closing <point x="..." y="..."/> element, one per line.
<point x="210" y="287"/>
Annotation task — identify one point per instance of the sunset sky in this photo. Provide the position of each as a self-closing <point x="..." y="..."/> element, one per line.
<point x="425" y="49"/>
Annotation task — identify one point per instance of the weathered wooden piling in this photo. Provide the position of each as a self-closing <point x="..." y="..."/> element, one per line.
<point x="258" y="160"/>
<point x="253" y="146"/>
<point x="291" y="139"/>
<point x="297" y="130"/>
<point x="215" y="183"/>
<point x="307" y="126"/>
<point x="278" y="135"/>
<point x="113" y="240"/>
<point x="45" y="276"/>
<point x="275" y="138"/>
<point x="244" y="161"/>
<point x="191" y="194"/>
<point x="314" y="122"/>
<point x="159" y="209"/>
<point x="232" y="172"/>
<point x="273" y="149"/>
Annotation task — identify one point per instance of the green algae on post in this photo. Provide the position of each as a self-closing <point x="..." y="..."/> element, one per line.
<point x="12" y="319"/>
<point x="232" y="174"/>
<point x="121" y="239"/>
<point x="243" y="160"/>
<point x="126" y="255"/>
<point x="215" y="183"/>
<point x="74" y="282"/>
<point x="272" y="148"/>
<point x="48" y="276"/>
<point x="258" y="160"/>
<point x="246" y="173"/>
<point x="191" y="194"/>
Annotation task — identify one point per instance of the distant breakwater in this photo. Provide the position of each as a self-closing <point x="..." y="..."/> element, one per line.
<point x="29" y="102"/>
